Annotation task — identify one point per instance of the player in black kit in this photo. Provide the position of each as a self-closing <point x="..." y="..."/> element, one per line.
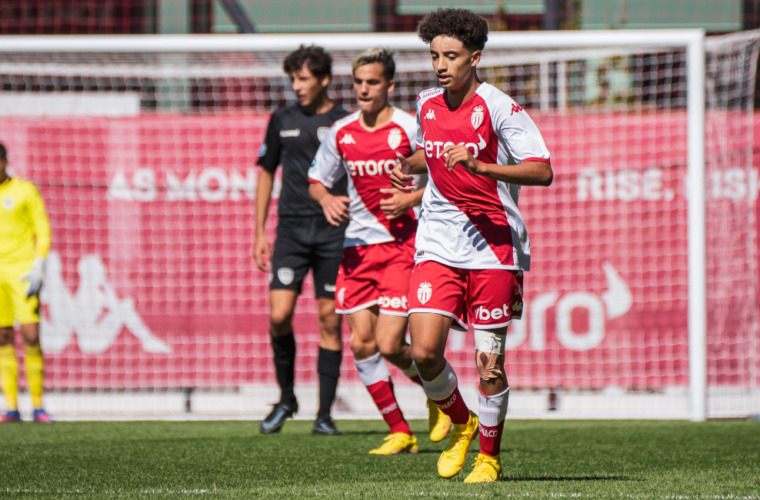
<point x="304" y="237"/>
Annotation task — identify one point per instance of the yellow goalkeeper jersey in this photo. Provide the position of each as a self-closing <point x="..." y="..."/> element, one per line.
<point x="24" y="225"/>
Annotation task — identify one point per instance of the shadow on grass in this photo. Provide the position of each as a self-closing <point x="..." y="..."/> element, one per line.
<point x="576" y="478"/>
<point x="424" y="451"/>
<point x="364" y="433"/>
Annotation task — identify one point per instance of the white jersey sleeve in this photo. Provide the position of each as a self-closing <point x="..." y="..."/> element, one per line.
<point x="421" y="99"/>
<point x="519" y="137"/>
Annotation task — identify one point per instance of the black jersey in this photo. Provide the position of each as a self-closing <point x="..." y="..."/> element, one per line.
<point x="292" y="140"/>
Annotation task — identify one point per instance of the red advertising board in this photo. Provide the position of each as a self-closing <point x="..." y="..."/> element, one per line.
<point x="151" y="281"/>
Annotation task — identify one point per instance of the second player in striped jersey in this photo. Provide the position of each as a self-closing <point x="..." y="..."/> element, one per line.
<point x="378" y="256"/>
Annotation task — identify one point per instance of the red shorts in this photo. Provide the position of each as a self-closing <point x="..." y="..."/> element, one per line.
<point x="375" y="275"/>
<point x="486" y="299"/>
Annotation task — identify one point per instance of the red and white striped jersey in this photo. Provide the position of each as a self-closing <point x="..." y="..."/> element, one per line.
<point x="368" y="158"/>
<point x="470" y="221"/>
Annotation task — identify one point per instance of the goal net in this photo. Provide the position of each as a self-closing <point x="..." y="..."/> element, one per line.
<point x="145" y="150"/>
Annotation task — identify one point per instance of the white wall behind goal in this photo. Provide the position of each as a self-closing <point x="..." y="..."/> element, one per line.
<point x="69" y="104"/>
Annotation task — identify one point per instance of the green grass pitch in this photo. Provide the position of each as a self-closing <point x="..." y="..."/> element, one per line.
<point x="230" y="459"/>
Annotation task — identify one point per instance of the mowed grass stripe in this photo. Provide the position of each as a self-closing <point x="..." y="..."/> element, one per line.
<point x="542" y="459"/>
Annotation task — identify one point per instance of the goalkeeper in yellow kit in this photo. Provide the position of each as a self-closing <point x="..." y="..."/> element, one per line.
<point x="24" y="244"/>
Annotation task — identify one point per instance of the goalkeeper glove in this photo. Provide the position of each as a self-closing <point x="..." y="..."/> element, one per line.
<point x="34" y="277"/>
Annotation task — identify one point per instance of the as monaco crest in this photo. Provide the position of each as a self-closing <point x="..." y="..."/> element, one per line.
<point x="424" y="292"/>
<point x="477" y="117"/>
<point x="394" y="138"/>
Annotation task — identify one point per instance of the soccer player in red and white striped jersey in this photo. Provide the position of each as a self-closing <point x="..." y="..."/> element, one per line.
<point x="478" y="147"/>
<point x="378" y="253"/>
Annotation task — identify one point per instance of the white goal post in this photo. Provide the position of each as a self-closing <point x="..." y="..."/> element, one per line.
<point x="621" y="315"/>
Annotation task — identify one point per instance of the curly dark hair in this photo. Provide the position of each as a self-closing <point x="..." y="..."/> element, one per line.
<point x="316" y="59"/>
<point x="3" y="152"/>
<point x="462" y="24"/>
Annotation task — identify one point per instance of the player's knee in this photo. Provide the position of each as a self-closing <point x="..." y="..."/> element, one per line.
<point x="30" y="334"/>
<point x="489" y="355"/>
<point x="279" y="322"/>
<point x="6" y="335"/>
<point x="426" y="360"/>
<point x="490" y="366"/>
<point x="362" y="349"/>
<point x="390" y="349"/>
<point x="329" y="319"/>
<point x="329" y="323"/>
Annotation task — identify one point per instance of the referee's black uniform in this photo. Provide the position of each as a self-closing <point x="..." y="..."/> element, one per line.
<point x="304" y="237"/>
<point x="304" y="240"/>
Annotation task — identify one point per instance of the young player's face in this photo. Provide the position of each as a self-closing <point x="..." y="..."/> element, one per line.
<point x="371" y="88"/>
<point x="453" y="64"/>
<point x="308" y="88"/>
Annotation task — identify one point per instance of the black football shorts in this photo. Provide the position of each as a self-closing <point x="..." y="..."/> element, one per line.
<point x="304" y="243"/>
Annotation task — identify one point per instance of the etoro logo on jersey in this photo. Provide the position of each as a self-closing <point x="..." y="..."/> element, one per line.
<point x="434" y="149"/>
<point x="370" y="167"/>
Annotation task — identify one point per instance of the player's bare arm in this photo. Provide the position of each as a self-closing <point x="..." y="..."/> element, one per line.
<point x="399" y="202"/>
<point x="402" y="175"/>
<point x="527" y="173"/>
<point x="334" y="207"/>
<point x="262" y="251"/>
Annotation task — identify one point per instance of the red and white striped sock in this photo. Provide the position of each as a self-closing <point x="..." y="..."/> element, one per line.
<point x="377" y="379"/>
<point x="413" y="374"/>
<point x="385" y="400"/>
<point x="444" y="391"/>
<point x="491" y="414"/>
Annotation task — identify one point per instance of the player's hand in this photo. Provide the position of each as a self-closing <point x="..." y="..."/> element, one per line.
<point x="335" y="208"/>
<point x="35" y="277"/>
<point x="398" y="204"/>
<point x="456" y="154"/>
<point x="262" y="254"/>
<point x="401" y="176"/>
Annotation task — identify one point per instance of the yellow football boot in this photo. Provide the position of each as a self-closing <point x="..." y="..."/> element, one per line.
<point x="438" y="422"/>
<point x="452" y="459"/>
<point x="487" y="470"/>
<point x="396" y="443"/>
